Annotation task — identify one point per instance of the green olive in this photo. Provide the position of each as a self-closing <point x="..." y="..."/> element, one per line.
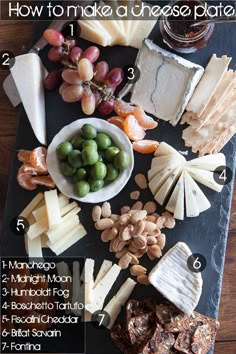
<point x="89" y="131"/>
<point x="96" y="185"/>
<point x="111" y="152"/>
<point x="80" y="174"/>
<point x="75" y="159"/>
<point x="89" y="155"/>
<point x="103" y="141"/>
<point x="66" y="169"/>
<point x="98" y="171"/>
<point x="112" y="173"/>
<point x="64" y="149"/>
<point x="77" y="141"/>
<point x="122" y="160"/>
<point x="91" y="143"/>
<point x="81" y="189"/>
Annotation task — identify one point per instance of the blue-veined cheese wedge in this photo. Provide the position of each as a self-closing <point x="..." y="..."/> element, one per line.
<point x="166" y="83"/>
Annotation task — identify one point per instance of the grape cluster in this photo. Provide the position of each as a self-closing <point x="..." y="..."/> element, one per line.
<point x="84" y="80"/>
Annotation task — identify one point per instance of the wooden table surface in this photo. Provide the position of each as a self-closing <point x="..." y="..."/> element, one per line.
<point x="14" y="37"/>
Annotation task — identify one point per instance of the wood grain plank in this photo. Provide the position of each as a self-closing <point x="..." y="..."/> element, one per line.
<point x="227" y="315"/>
<point x="232" y="226"/>
<point x="225" y="347"/>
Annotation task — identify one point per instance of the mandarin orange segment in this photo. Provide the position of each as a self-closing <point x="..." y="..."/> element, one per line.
<point x="143" y="119"/>
<point x="43" y="181"/>
<point x="118" y="121"/>
<point x="145" y="146"/>
<point x="122" y="108"/>
<point x="24" y="179"/>
<point x="38" y="159"/>
<point x="132" y="129"/>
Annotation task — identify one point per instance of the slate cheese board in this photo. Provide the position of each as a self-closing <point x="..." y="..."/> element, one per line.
<point x="206" y="234"/>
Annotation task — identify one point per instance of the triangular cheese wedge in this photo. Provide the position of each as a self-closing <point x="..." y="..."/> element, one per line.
<point x="179" y="209"/>
<point x="166" y="188"/>
<point x="175" y="281"/>
<point x="191" y="205"/>
<point x="208" y="162"/>
<point x="92" y="31"/>
<point x="28" y="73"/>
<point x="204" y="177"/>
<point x="171" y="206"/>
<point x="165" y="149"/>
<point x="201" y="200"/>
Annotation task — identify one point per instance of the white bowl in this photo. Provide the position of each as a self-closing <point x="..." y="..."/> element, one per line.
<point x="65" y="185"/>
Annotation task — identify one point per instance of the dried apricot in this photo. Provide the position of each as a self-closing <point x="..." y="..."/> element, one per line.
<point x="145" y="146"/>
<point x="133" y="130"/>
<point x="123" y="109"/>
<point x="144" y="120"/>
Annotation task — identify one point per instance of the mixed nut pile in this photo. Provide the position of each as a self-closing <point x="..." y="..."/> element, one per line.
<point x="133" y="233"/>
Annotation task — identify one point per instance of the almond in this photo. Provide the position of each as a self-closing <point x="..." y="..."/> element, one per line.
<point x="150" y="255"/>
<point x="106" y="210"/>
<point x="150" y="207"/>
<point x="137" y="270"/>
<point x="134" y="259"/>
<point x="170" y="221"/>
<point x="137" y="206"/>
<point x="161" y="241"/>
<point x="155" y="251"/>
<point x="139" y="215"/>
<point x="96" y="213"/>
<point x="125" y="261"/>
<point x="141" y="181"/>
<point x="125" y="209"/>
<point x="127" y="233"/>
<point x="121" y="253"/>
<point x="115" y="217"/>
<point x="143" y="279"/>
<point x="134" y="195"/>
<point x="140" y="241"/>
<point x="149" y="227"/>
<point x="139" y="228"/>
<point x="109" y="234"/>
<point x="160" y="222"/>
<point x="150" y="218"/>
<point x="155" y="232"/>
<point x="133" y="248"/>
<point x="124" y="219"/>
<point x="141" y="252"/>
<point x="104" y="224"/>
<point x="151" y="240"/>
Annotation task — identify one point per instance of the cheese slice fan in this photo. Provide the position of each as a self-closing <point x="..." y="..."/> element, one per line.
<point x="165" y="189"/>
<point x="200" y="199"/>
<point x="171" y="206"/>
<point x="208" y="162"/>
<point x="205" y="177"/>
<point x="191" y="205"/>
<point x="28" y="73"/>
<point x="160" y="178"/>
<point x="175" y="281"/>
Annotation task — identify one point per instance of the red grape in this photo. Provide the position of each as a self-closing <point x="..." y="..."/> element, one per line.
<point x="100" y="71"/>
<point x="53" y="37"/>
<point x="106" y="107"/>
<point x="75" y="54"/>
<point x="72" y="93"/>
<point x="88" y="101"/>
<point x="91" y="53"/>
<point x="71" y="77"/>
<point x="98" y="97"/>
<point x="52" y="80"/>
<point x="114" y="77"/>
<point x="85" y="69"/>
<point x="56" y="53"/>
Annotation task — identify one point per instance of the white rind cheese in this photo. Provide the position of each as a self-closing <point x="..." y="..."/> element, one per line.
<point x="165" y="77"/>
<point x="175" y="281"/>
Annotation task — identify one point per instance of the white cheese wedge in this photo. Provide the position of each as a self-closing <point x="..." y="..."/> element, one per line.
<point x="208" y="162"/>
<point x="44" y="241"/>
<point x="41" y="212"/>
<point x="52" y="208"/>
<point x="32" y="205"/>
<point x="200" y="199"/>
<point x="190" y="202"/>
<point x="205" y="177"/>
<point x="166" y="188"/>
<point x="165" y="77"/>
<point x="92" y="31"/>
<point x="161" y="162"/>
<point x="157" y="181"/>
<point x="88" y="277"/>
<point x="179" y="209"/>
<point x="141" y="31"/>
<point x="113" y="308"/>
<point x="105" y="267"/>
<point x="38" y="228"/>
<point x="59" y="232"/>
<point x="102" y="289"/>
<point x="165" y="149"/>
<point x="212" y="77"/>
<point x="175" y="281"/>
<point x="34" y="247"/>
<point x="171" y="206"/>
<point x="28" y="73"/>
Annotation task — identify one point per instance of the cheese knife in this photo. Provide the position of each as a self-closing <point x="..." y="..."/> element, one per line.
<point x="9" y="84"/>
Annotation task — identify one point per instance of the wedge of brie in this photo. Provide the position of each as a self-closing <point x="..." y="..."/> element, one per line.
<point x="175" y="281"/>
